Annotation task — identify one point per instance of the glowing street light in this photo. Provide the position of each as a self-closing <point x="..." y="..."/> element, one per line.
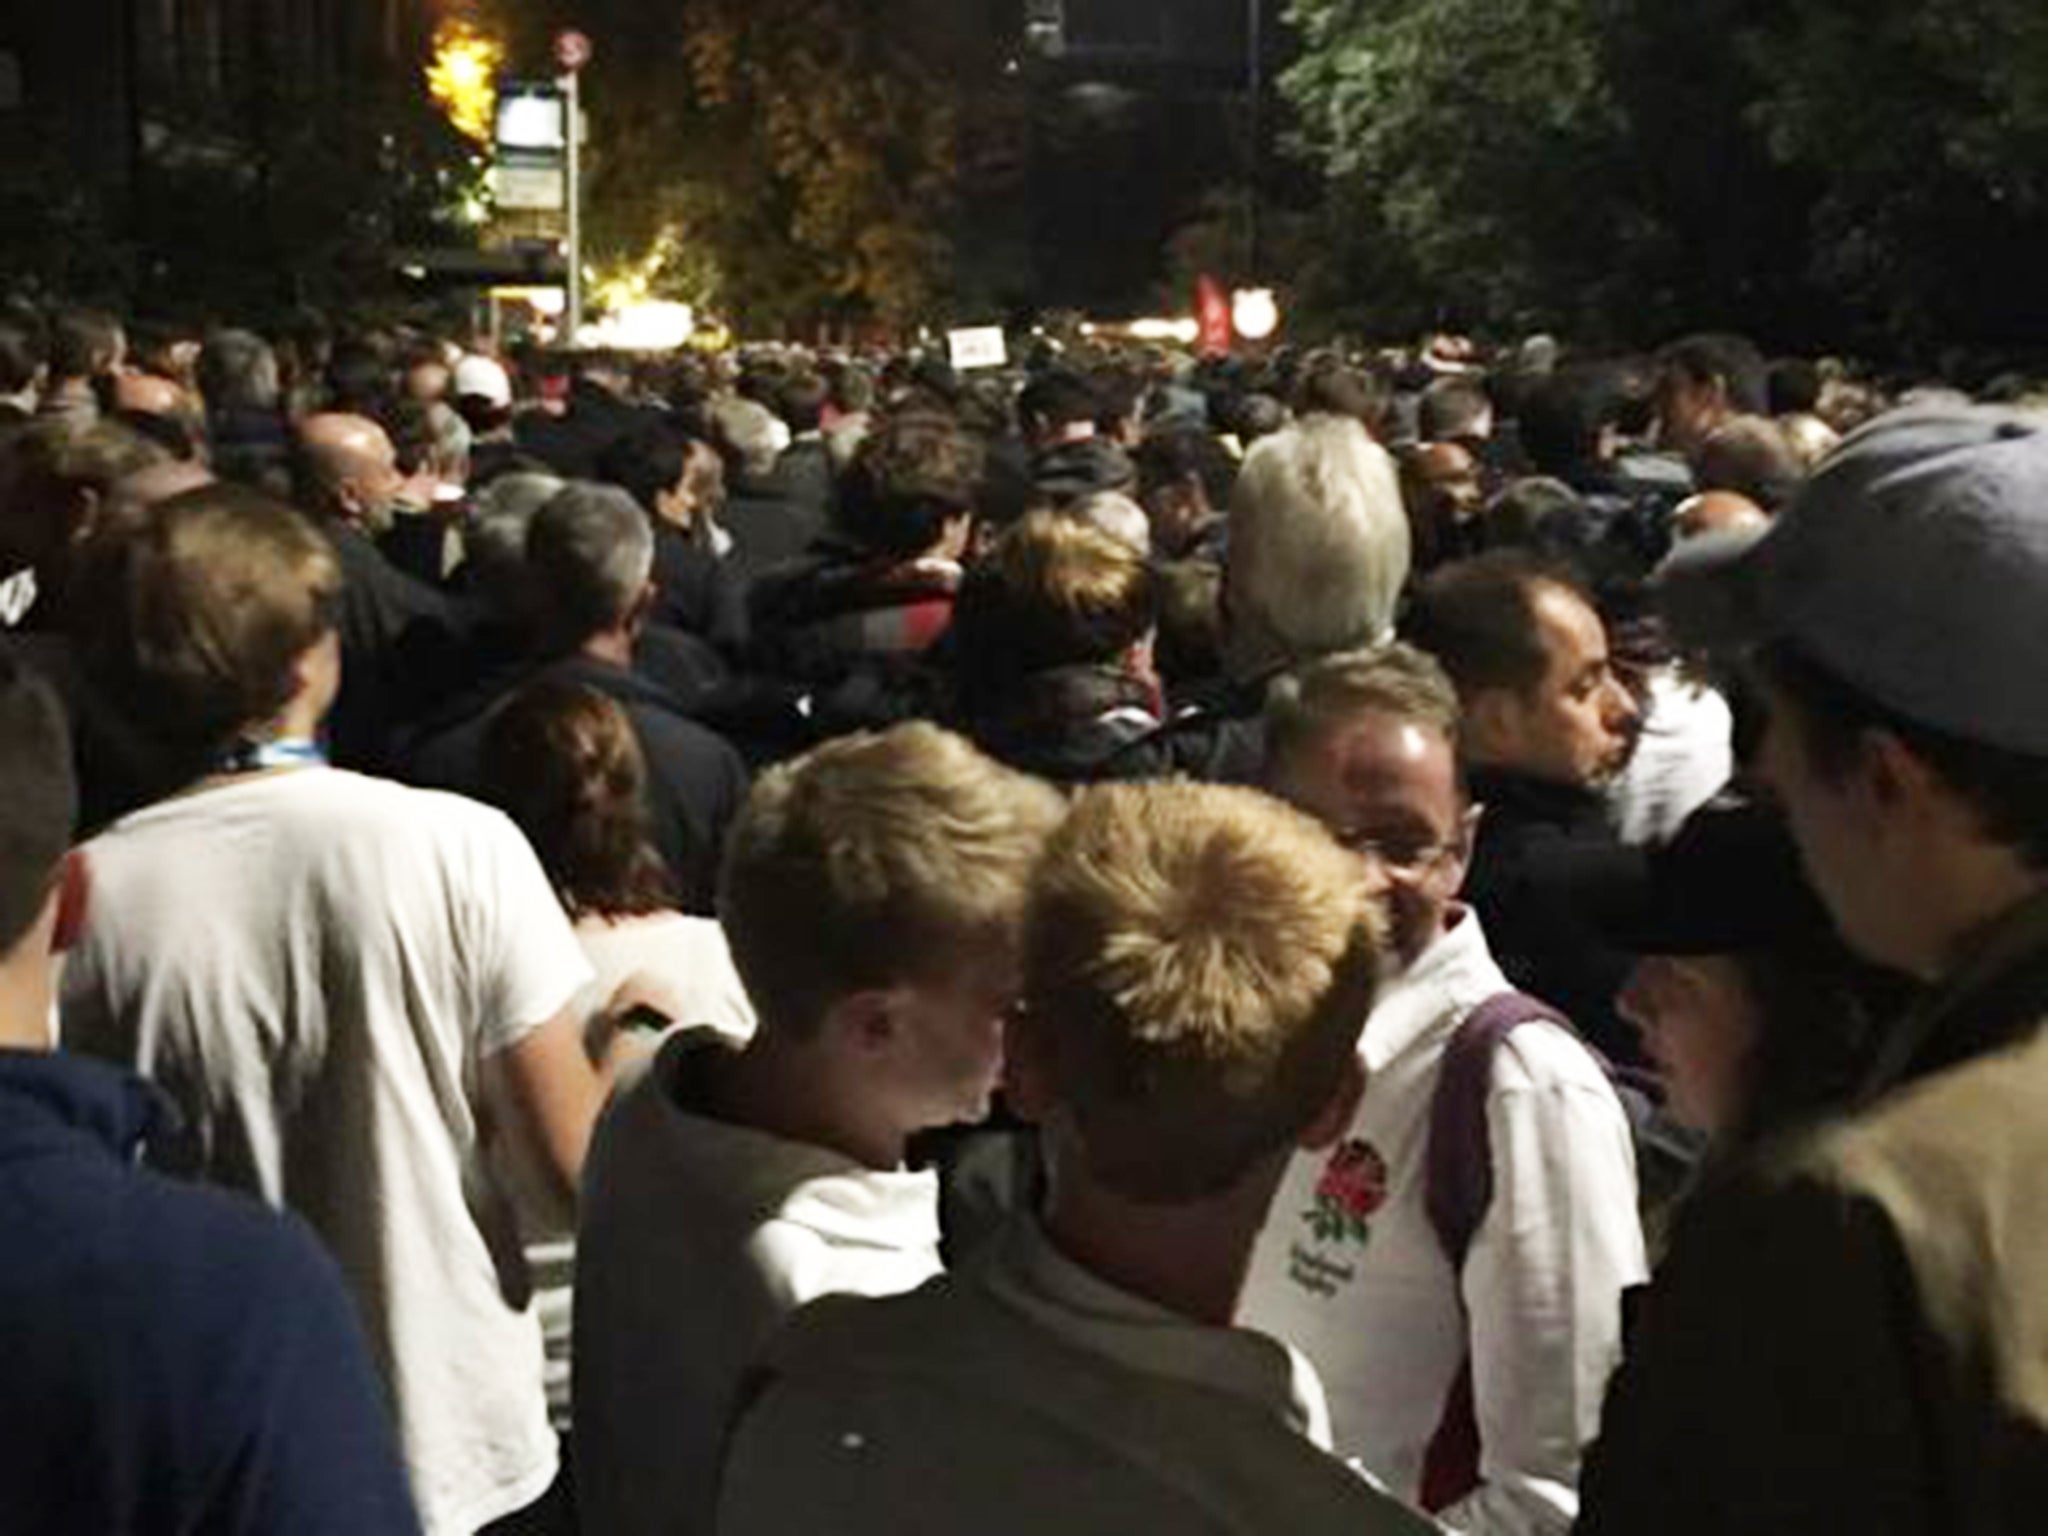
<point x="1254" y="313"/>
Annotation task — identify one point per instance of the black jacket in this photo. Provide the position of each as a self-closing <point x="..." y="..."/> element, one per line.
<point x="1546" y="870"/>
<point x="696" y="782"/>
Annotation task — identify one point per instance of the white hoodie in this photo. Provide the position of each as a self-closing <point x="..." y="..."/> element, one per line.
<point x="697" y="1238"/>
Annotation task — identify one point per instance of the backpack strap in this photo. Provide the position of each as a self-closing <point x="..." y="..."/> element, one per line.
<point x="1458" y="1164"/>
<point x="1457" y="1189"/>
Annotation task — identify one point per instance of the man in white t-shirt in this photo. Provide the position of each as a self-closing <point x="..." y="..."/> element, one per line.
<point x="1197" y="965"/>
<point x="871" y="894"/>
<point x="348" y="987"/>
<point x="1351" y="1267"/>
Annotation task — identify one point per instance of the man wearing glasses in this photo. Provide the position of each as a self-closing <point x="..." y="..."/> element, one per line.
<point x="1464" y="1364"/>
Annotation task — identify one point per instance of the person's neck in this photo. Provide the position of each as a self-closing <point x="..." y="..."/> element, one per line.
<point x="609" y="645"/>
<point x="27" y="994"/>
<point x="785" y="1090"/>
<point x="1983" y="888"/>
<point x="1191" y="1258"/>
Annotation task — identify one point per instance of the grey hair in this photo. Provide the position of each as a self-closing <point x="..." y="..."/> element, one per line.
<point x="1319" y="545"/>
<point x="1118" y="516"/>
<point x="238" y="372"/>
<point x="590" y="551"/>
<point x="749" y="429"/>
<point x="494" y="539"/>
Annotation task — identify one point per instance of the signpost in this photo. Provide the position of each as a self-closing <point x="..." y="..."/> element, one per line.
<point x="572" y="52"/>
<point x="531" y="147"/>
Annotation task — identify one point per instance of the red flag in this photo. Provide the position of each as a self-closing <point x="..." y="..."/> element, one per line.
<point x="1212" y="310"/>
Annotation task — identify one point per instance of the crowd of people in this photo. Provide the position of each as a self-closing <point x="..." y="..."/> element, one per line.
<point x="801" y="941"/>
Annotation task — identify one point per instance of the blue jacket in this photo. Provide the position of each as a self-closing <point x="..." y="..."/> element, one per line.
<point x="172" y="1359"/>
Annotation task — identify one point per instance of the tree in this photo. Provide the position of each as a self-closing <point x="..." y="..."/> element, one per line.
<point x="807" y="150"/>
<point x="1871" y="172"/>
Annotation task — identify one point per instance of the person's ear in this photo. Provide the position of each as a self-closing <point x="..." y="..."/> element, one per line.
<point x="73" y="895"/>
<point x="1336" y="1115"/>
<point x="1493" y="725"/>
<point x="1895" y="781"/>
<point x="643" y="607"/>
<point x="866" y="1022"/>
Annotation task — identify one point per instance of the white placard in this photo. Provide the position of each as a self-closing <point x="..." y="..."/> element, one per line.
<point x="980" y="346"/>
<point x="527" y="189"/>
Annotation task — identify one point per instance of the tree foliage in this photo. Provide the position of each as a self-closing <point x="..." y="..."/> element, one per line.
<point x="1840" y="169"/>
<point x="805" y="152"/>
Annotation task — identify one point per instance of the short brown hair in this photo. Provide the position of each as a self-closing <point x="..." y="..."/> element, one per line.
<point x="1199" y="962"/>
<point x="1478" y="618"/>
<point x="1392" y="679"/>
<point x="194" y="620"/>
<point x="874" y="859"/>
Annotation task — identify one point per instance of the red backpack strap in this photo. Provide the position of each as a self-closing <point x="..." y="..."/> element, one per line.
<point x="1457" y="1189"/>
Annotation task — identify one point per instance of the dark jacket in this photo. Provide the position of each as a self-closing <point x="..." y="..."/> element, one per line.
<point x="1850" y="1332"/>
<point x="696" y="782"/>
<point x="1217" y="737"/>
<point x="698" y="593"/>
<point x="1546" y="869"/>
<point x="839" y="608"/>
<point x="1063" y="723"/>
<point x="572" y="443"/>
<point x="176" y="1359"/>
<point x="402" y="652"/>
<point x="770" y="528"/>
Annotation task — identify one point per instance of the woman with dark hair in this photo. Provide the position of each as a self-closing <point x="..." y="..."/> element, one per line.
<point x="562" y="761"/>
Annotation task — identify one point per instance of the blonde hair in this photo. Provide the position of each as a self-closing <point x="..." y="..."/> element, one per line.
<point x="877" y="858"/>
<point x="1055" y="591"/>
<point x="1394" y="679"/>
<point x="1199" y="962"/>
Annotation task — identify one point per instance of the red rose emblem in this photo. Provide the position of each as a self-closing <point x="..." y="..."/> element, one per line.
<point x="1352" y="1188"/>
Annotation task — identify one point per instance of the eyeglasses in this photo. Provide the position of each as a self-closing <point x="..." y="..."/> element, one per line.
<point x="1401" y="855"/>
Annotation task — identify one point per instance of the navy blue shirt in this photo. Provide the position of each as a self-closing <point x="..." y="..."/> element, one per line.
<point x="172" y="1358"/>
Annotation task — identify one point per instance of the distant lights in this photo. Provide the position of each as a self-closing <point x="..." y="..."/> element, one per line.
<point x="1254" y="313"/>
<point x="462" y="78"/>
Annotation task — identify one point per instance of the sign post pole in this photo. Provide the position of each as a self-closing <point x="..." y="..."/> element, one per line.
<point x="573" y="195"/>
<point x="572" y="52"/>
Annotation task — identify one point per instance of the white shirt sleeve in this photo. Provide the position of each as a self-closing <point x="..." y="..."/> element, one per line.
<point x="525" y="964"/>
<point x="1543" y="1281"/>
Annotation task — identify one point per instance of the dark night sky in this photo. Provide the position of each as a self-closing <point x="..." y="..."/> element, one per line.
<point x="1139" y="118"/>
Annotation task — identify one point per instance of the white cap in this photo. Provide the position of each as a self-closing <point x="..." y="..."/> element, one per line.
<point x="483" y="377"/>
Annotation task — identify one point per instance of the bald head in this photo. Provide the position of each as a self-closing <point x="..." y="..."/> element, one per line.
<point x="149" y="395"/>
<point x="348" y="468"/>
<point x="1718" y="512"/>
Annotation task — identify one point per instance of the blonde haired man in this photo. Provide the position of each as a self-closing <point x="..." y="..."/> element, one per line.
<point x="871" y="894"/>
<point x="1197" y="965"/>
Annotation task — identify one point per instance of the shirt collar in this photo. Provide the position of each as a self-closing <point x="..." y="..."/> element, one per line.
<point x="2000" y="983"/>
<point x="114" y="1108"/>
<point x="1026" y="1271"/>
<point x="1453" y="975"/>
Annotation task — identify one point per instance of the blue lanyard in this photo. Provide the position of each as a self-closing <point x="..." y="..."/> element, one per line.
<point x="259" y="756"/>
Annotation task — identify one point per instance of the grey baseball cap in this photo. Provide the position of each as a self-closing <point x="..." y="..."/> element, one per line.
<point x="1914" y="565"/>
